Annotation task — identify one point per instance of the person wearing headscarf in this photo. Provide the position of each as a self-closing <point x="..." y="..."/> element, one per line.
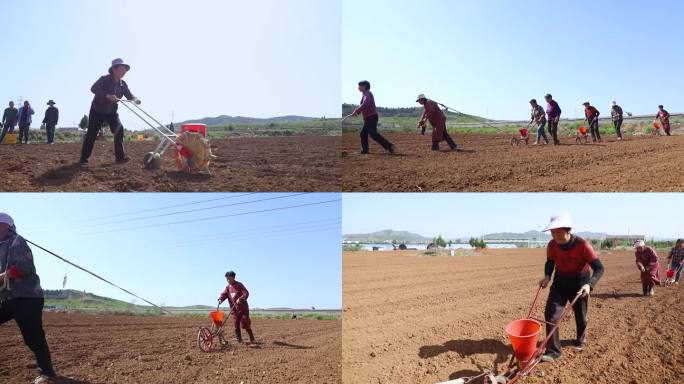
<point x="21" y="296"/>
<point x="647" y="263"/>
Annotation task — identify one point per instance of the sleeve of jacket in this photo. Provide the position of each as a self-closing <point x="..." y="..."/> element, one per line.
<point x="224" y="295"/>
<point x="245" y="292"/>
<point x="362" y="105"/>
<point x="56" y="116"/>
<point x="20" y="261"/>
<point x="98" y="90"/>
<point x="46" y="117"/>
<point x="127" y="92"/>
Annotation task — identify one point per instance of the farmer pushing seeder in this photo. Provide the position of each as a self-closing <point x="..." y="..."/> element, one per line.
<point x="193" y="152"/>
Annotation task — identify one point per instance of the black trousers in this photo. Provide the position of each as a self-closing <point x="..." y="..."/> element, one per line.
<point x="445" y="137"/>
<point x="594" y="127"/>
<point x="23" y="132"/>
<point x="618" y="125"/>
<point x="370" y="128"/>
<point x="553" y="130"/>
<point x="95" y="121"/>
<point x="28" y="314"/>
<point x="559" y="296"/>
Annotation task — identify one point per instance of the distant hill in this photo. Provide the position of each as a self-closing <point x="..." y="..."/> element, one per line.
<point x="386" y="235"/>
<point x="518" y="236"/>
<point x="240" y="120"/>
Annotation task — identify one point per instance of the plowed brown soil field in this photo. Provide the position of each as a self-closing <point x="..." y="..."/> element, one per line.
<point x="487" y="163"/>
<point x="150" y="350"/>
<point x="421" y="319"/>
<point x="304" y="163"/>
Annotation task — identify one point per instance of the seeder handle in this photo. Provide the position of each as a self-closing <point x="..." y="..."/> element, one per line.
<point x="534" y="302"/>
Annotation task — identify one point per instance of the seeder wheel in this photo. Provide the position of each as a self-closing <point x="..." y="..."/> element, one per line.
<point x="205" y="339"/>
<point x="152" y="161"/>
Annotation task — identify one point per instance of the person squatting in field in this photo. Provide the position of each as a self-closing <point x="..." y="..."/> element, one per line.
<point x="676" y="259"/>
<point x="237" y="295"/>
<point x="107" y="90"/>
<point x="9" y="120"/>
<point x="21" y="297"/>
<point x="616" y="115"/>
<point x="538" y="117"/>
<point x="648" y="265"/>
<point x="437" y="119"/>
<point x="50" y="120"/>
<point x="553" y="114"/>
<point x="592" y="117"/>
<point x="571" y="257"/>
<point x="368" y="110"/>
<point x="664" y="117"/>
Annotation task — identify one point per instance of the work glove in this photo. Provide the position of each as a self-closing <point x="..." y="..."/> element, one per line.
<point x="544" y="282"/>
<point x="585" y="290"/>
<point x="137" y="101"/>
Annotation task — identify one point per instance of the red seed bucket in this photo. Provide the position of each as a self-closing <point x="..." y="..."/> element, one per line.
<point x="199" y="128"/>
<point x="656" y="125"/>
<point x="523" y="335"/>
<point x="670" y="273"/>
<point x="523" y="132"/>
<point x="583" y="130"/>
<point x="216" y="317"/>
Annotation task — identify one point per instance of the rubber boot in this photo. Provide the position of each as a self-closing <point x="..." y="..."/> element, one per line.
<point x="251" y="336"/>
<point x="435" y="146"/>
<point x="238" y="335"/>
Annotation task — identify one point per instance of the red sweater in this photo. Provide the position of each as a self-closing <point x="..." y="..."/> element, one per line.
<point x="433" y="114"/>
<point x="233" y="292"/>
<point x="574" y="261"/>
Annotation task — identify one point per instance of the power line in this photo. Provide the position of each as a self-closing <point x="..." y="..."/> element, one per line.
<point x="172" y="206"/>
<point x="195" y="210"/>
<point x="216" y="217"/>
<point x="283" y="234"/>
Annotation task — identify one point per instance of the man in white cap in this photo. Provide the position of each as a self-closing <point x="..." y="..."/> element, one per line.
<point x="21" y="297"/>
<point x="437" y="119"/>
<point x="571" y="257"/>
<point x="648" y="265"/>
<point x="108" y="89"/>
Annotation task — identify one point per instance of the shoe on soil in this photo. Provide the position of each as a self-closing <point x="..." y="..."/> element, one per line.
<point x="549" y="358"/>
<point x="579" y="346"/>
<point x="124" y="160"/>
<point x="44" y="379"/>
<point x="454" y="148"/>
<point x="363" y="153"/>
<point x="391" y="149"/>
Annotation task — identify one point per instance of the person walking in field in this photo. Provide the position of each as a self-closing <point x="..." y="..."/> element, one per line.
<point x="616" y="115"/>
<point x="50" y="120"/>
<point x="538" y="117"/>
<point x="25" y="118"/>
<point x="21" y="297"/>
<point x="437" y="119"/>
<point x="237" y="295"/>
<point x="571" y="258"/>
<point x="369" y="112"/>
<point x="9" y="120"/>
<point x="104" y="108"/>
<point x="648" y="265"/>
<point x="553" y="113"/>
<point x="664" y="117"/>
<point x="592" y="117"/>
<point x="676" y="259"/>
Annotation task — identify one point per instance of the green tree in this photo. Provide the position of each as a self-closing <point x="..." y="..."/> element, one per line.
<point x="477" y="243"/>
<point x="439" y="241"/>
<point x="84" y="122"/>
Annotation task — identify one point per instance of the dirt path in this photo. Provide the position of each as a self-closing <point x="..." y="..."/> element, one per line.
<point x="306" y="163"/>
<point x="487" y="163"/>
<point x="150" y="350"/>
<point x="416" y="319"/>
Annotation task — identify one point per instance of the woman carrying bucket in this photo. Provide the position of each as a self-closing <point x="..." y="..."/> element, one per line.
<point x="571" y="257"/>
<point x="647" y="262"/>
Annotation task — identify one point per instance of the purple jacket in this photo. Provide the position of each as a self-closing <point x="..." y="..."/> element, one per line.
<point x="552" y="110"/>
<point x="367" y="105"/>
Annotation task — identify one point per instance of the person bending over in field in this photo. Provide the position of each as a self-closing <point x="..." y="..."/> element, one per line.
<point x="237" y="295"/>
<point x="437" y="119"/>
<point x="571" y="257"/>
<point x="21" y="297"/>
<point x="369" y="112"/>
<point x="647" y="263"/>
<point x="108" y="89"/>
<point x="592" y="116"/>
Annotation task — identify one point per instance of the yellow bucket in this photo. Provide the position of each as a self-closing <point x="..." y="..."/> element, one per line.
<point x="140" y="137"/>
<point x="10" y="138"/>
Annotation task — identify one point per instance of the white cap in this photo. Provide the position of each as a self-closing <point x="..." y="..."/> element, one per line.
<point x="559" y="220"/>
<point x="639" y="243"/>
<point x="421" y="96"/>
<point x="7" y="219"/>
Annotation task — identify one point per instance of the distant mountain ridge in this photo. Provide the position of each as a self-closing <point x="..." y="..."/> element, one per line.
<point x="405" y="236"/>
<point x="241" y="120"/>
<point x="386" y="235"/>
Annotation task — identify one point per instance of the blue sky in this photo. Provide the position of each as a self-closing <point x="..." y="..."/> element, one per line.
<point x="457" y="215"/>
<point x="287" y="258"/>
<point x="258" y="58"/>
<point x="490" y="57"/>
